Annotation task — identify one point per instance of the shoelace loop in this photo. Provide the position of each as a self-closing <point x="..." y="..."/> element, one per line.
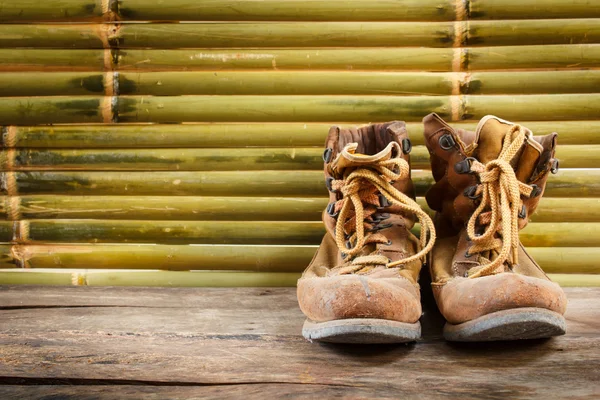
<point x="499" y="208"/>
<point x="361" y="186"/>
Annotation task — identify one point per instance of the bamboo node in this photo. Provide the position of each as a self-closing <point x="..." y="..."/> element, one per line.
<point x="9" y="136"/>
<point x="457" y="107"/>
<point x="462" y="9"/>
<point x="461" y="33"/>
<point x="13" y="207"/>
<point x="460" y="59"/>
<point x="20" y="231"/>
<point x="110" y="10"/>
<point x="19" y="255"/>
<point x="78" y="279"/>
<point x="8" y="183"/>
<point x="109" y="105"/>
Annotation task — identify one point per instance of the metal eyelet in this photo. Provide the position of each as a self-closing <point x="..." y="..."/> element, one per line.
<point x="389" y="243"/>
<point x="535" y="191"/>
<point x="554" y="167"/>
<point x="331" y="210"/>
<point x="406" y="146"/>
<point x="467" y="255"/>
<point x="328" y="182"/>
<point x="464" y="166"/>
<point x="446" y="141"/>
<point x="470" y="192"/>
<point x="327" y="154"/>
<point x="523" y="212"/>
<point x="383" y="202"/>
<point x="348" y="244"/>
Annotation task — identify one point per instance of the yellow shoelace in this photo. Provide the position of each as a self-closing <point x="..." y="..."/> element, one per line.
<point x="361" y="187"/>
<point x="500" y="192"/>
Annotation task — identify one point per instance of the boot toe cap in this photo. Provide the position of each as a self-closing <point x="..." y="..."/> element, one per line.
<point x="359" y="296"/>
<point x="463" y="299"/>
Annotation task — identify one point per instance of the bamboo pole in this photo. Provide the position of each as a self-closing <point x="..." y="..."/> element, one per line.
<point x="517" y="9"/>
<point x="167" y="208"/>
<point x="82" y="277"/>
<point x="352" y="109"/>
<point x="225" y="159"/>
<point x="174" y="109"/>
<point x="226" y="258"/>
<point x="567" y="183"/>
<point x="51" y="10"/>
<point x="294" y="34"/>
<point x="290" y="10"/>
<point x="172" y="232"/>
<point x="166" y="257"/>
<point x="577" y="56"/>
<point x="381" y="59"/>
<point x="209" y="135"/>
<point x="53" y="60"/>
<point x="286" y="10"/>
<point x="177" y="83"/>
<point x="234" y="208"/>
<point x="559" y="234"/>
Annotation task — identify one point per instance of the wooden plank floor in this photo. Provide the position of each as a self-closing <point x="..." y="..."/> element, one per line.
<point x="94" y="342"/>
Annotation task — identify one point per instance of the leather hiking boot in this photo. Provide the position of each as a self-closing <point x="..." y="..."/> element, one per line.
<point x="488" y="183"/>
<point x="361" y="286"/>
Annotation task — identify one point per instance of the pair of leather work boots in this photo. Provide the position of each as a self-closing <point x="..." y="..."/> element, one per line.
<point x="362" y="284"/>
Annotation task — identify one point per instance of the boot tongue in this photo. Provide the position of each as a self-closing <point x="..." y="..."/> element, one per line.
<point x="349" y="158"/>
<point x="491" y="132"/>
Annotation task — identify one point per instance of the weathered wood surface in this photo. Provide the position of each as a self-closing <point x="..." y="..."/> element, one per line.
<point x="232" y="342"/>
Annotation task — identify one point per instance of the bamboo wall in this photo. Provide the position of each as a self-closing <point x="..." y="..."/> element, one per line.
<point x="187" y="150"/>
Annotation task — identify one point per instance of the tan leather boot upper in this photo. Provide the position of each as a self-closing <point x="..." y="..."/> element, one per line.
<point x="488" y="183"/>
<point x="368" y="263"/>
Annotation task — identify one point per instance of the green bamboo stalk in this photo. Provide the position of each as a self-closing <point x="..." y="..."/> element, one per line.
<point x="58" y="36"/>
<point x="176" y="83"/>
<point x="47" y="110"/>
<point x="224" y="258"/>
<point x="51" y="10"/>
<point x="83" y="277"/>
<point x="531" y="57"/>
<point x="381" y="59"/>
<point x="579" y="56"/>
<point x="226" y="159"/>
<point x="559" y="234"/>
<point x="535" y="107"/>
<point x="519" y="9"/>
<point x="173" y="109"/>
<point x="174" y="232"/>
<point x="353" y="109"/>
<point x="225" y="135"/>
<point x="237" y="208"/>
<point x="575" y="280"/>
<point x="52" y="60"/>
<point x="168" y="208"/>
<point x="286" y="10"/>
<point x="567" y="183"/>
<point x="80" y="277"/>
<point x="581" y="261"/>
<point x="340" y="34"/>
<point x="51" y="83"/>
<point x="166" y="257"/>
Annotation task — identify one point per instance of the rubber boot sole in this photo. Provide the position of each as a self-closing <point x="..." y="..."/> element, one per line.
<point x="515" y="324"/>
<point x="361" y="330"/>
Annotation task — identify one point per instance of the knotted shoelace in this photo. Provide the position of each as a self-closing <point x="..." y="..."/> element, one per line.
<point x="361" y="186"/>
<point x="499" y="208"/>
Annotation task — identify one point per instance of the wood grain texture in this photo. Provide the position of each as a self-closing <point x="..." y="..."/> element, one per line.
<point x="203" y="346"/>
